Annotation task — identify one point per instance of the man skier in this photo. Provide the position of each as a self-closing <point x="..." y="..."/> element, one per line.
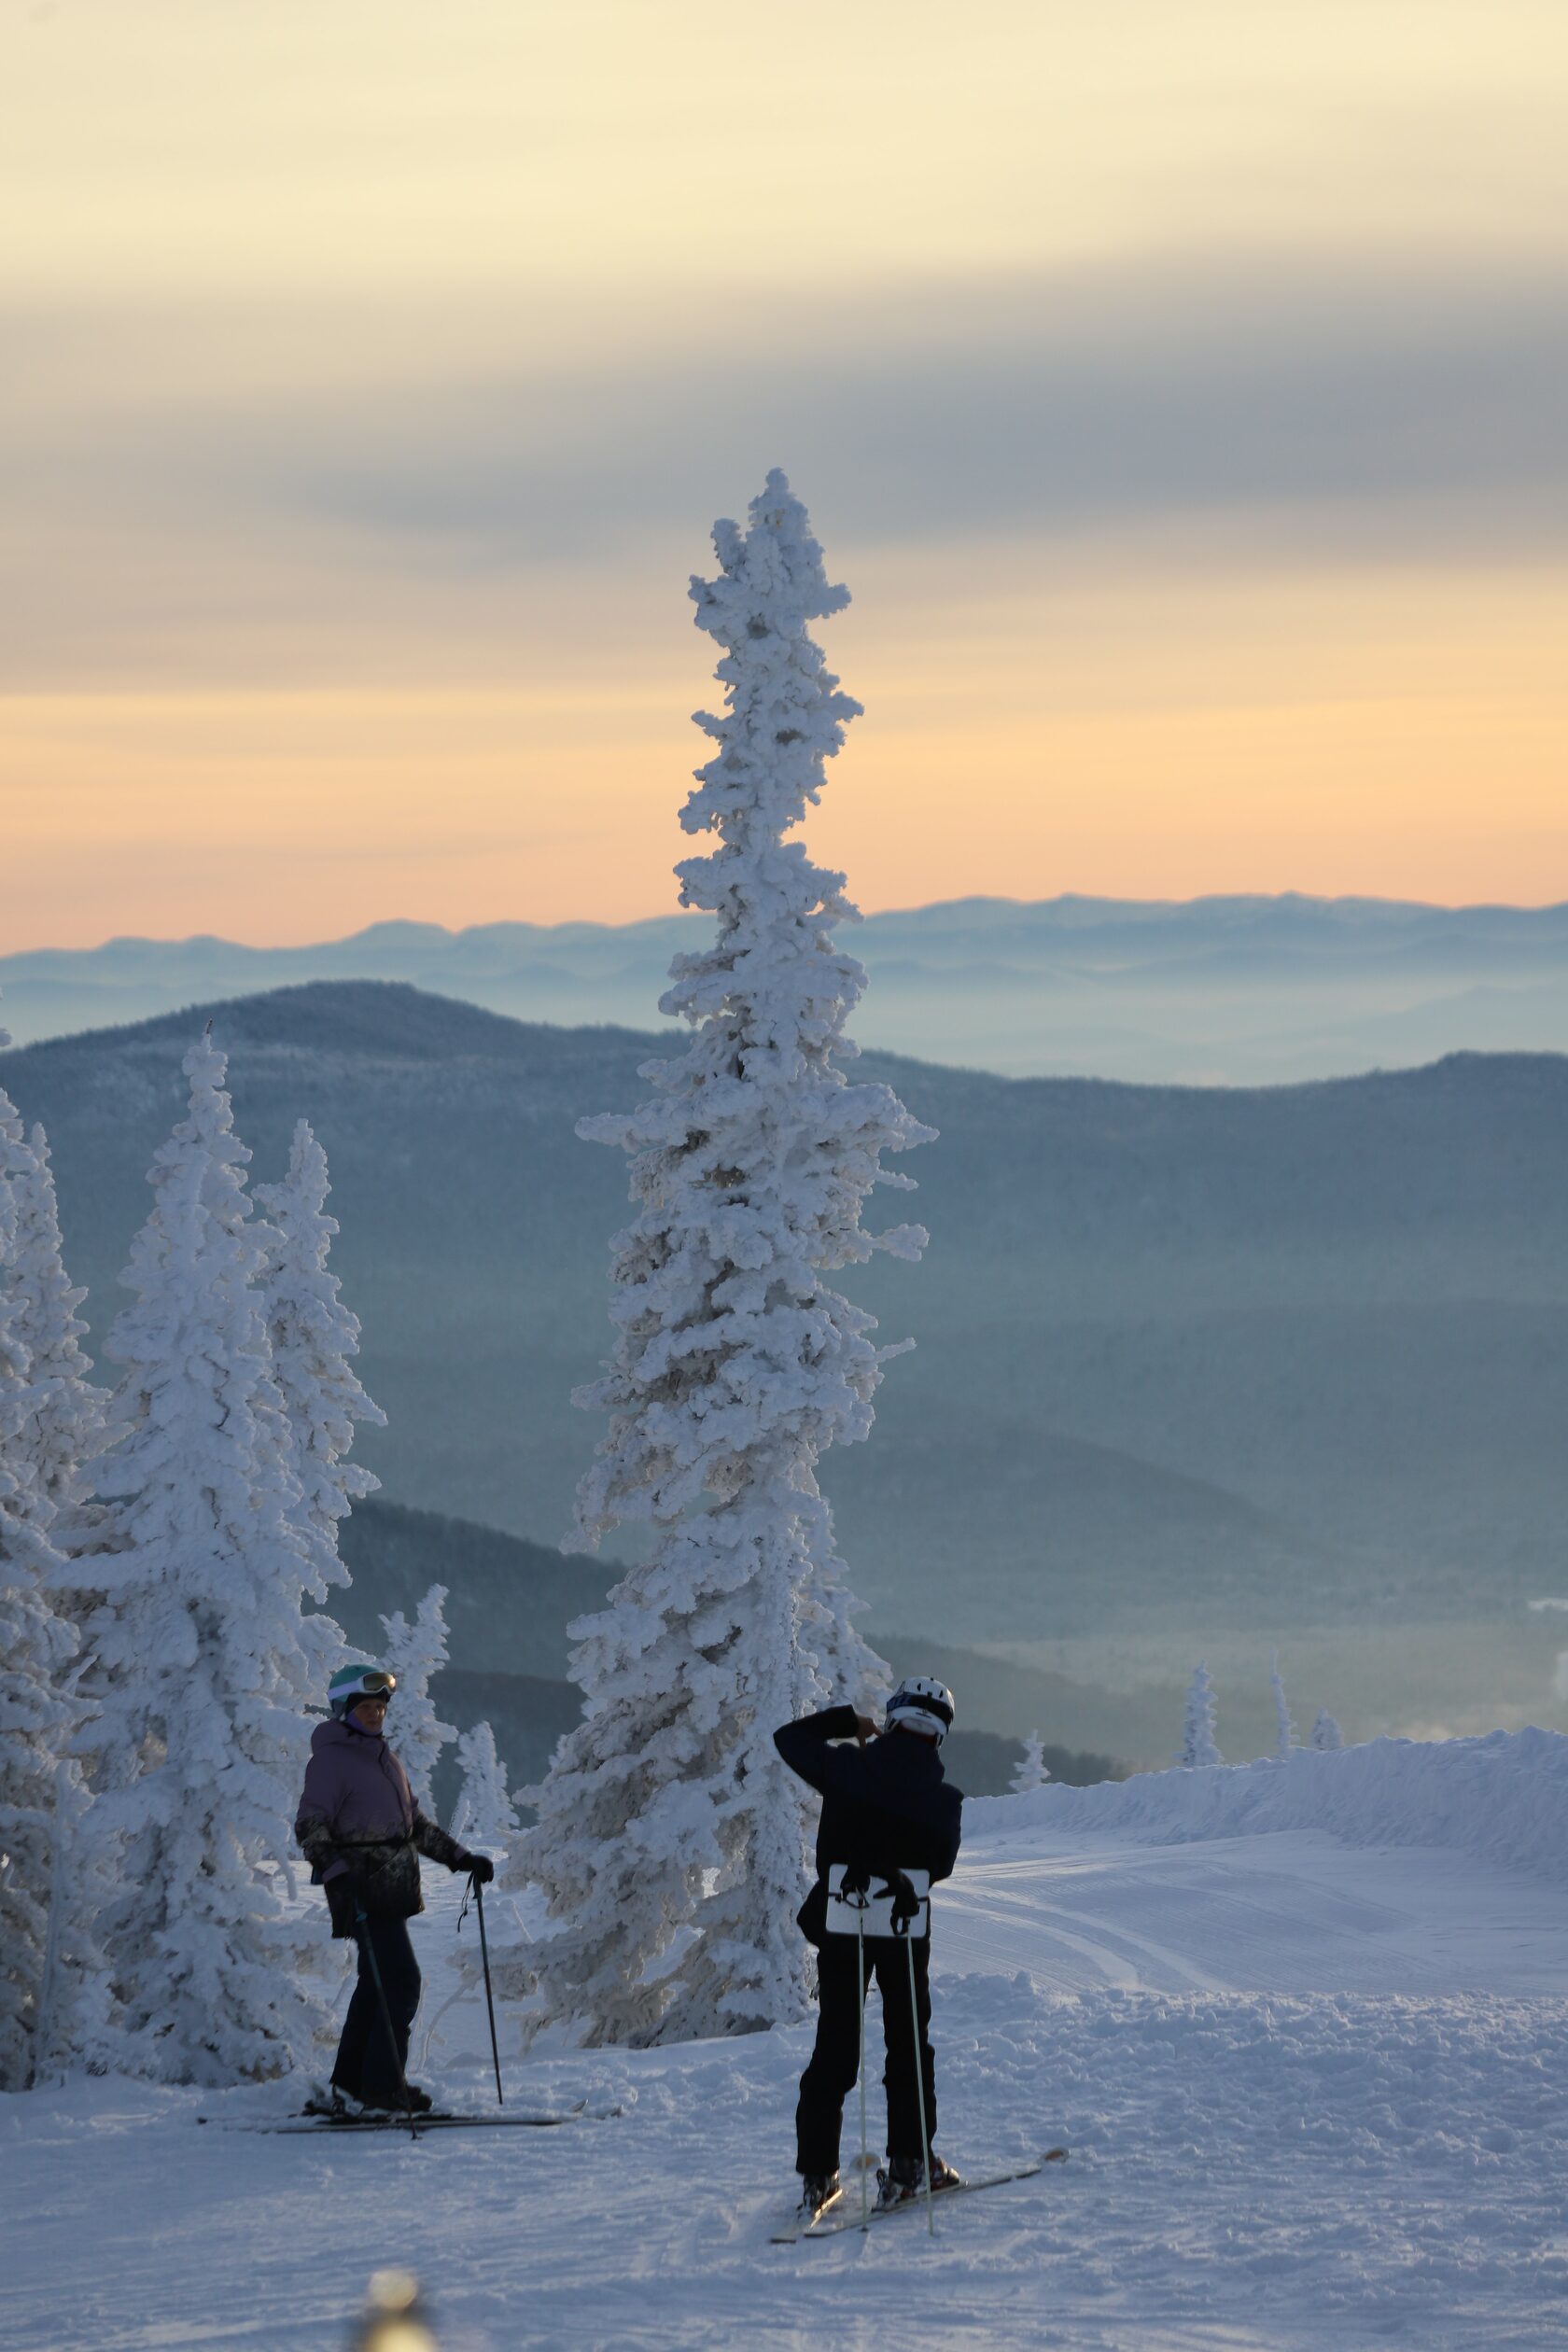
<point x="885" y="1807"/>
<point x="362" y="1834"/>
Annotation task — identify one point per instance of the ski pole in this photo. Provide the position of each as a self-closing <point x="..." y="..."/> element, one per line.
<point x="362" y="1926"/>
<point x="920" y="2084"/>
<point x="859" y="1961"/>
<point x="489" y="1997"/>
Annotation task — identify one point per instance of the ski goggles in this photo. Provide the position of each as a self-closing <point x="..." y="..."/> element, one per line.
<point x="372" y="1685"/>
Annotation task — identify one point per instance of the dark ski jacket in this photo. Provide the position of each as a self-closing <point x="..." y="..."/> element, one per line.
<point x="886" y="1806"/>
<point x="358" y="1814"/>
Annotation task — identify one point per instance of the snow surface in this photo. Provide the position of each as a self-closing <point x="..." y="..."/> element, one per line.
<point x="1303" y="2024"/>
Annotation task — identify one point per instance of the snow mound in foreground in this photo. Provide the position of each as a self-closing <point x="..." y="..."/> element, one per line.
<point x="1503" y="1799"/>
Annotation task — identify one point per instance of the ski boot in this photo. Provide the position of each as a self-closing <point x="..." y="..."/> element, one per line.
<point x="345" y="2106"/>
<point x="331" y="2102"/>
<point x="318" y="2100"/>
<point x="419" y="2102"/>
<point x="817" y="2191"/>
<point x="902" y="2179"/>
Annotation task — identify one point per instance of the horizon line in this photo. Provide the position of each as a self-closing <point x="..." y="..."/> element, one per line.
<point x="927" y="906"/>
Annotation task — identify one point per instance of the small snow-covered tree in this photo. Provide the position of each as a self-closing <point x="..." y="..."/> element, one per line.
<point x="485" y="1815"/>
<point x="1033" y="1771"/>
<point x="1198" y="1747"/>
<point x="1325" y="1731"/>
<point x="414" y="1653"/>
<point x="735" y="1367"/>
<point x="36" y="1647"/>
<point x="313" y="1338"/>
<point x="206" y="1666"/>
<point x="1285" y="1740"/>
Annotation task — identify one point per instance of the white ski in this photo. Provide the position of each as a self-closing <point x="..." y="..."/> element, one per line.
<point x="843" y="2212"/>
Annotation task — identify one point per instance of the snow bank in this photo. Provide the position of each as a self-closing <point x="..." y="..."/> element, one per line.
<point x="1503" y="1799"/>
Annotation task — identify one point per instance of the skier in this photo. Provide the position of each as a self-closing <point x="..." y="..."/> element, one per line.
<point x="362" y="1834"/>
<point x="885" y="1807"/>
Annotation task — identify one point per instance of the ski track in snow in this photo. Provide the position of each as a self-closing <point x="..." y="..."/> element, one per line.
<point x="1289" y="1913"/>
<point x="1316" y="2096"/>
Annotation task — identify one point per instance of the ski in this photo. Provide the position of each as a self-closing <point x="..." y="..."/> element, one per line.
<point x="327" y="2124"/>
<point x="843" y="2212"/>
<point x="323" y="2126"/>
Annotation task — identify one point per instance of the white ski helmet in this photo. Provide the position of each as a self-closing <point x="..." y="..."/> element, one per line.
<point x="923" y="1704"/>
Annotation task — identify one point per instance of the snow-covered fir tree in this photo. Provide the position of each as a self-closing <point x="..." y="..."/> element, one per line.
<point x="485" y="1815"/>
<point x="1199" y="1745"/>
<point x="205" y="1665"/>
<point x="314" y="1336"/>
<point x="77" y="2029"/>
<point x="414" y="1653"/>
<point x="1033" y="1771"/>
<point x="735" y="1367"/>
<point x="37" y="1647"/>
<point x="1285" y="1729"/>
<point x="26" y="1834"/>
<point x="65" y="1421"/>
<point x="1325" y="1731"/>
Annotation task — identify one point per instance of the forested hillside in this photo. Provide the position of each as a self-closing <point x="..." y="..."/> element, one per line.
<point x="1284" y="1354"/>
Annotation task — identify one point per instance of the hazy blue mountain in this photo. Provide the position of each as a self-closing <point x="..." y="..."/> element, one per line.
<point x="1187" y="1357"/>
<point x="508" y="1604"/>
<point x="1240" y="990"/>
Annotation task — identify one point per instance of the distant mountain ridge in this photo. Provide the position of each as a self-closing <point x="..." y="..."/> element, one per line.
<point x="1236" y="991"/>
<point x="509" y="1604"/>
<point x="1186" y="1357"/>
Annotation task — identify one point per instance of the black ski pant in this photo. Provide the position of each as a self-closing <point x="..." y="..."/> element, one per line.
<point x="366" y="2067"/>
<point x="834" y="2063"/>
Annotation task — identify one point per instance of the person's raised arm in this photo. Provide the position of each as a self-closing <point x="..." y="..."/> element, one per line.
<point x="806" y="1748"/>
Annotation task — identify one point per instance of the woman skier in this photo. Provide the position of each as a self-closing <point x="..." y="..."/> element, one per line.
<point x="362" y="1834"/>
<point x="886" y="1808"/>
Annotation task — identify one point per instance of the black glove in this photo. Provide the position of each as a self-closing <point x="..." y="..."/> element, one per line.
<point x="478" y="1865"/>
<point x="342" y="1901"/>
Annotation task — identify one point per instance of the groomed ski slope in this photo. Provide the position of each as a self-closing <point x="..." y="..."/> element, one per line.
<point x="1303" y="2025"/>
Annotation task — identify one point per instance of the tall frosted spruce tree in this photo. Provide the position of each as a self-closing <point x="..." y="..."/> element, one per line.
<point x="60" y="1437"/>
<point x="37" y="1647"/>
<point x="65" y="1428"/>
<point x="666" y="1813"/>
<point x="313" y="1338"/>
<point x="204" y="1667"/>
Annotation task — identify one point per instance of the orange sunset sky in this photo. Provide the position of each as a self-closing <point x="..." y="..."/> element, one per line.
<point x="1177" y="386"/>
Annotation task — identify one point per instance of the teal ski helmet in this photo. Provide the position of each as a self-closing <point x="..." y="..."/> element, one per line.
<point x="351" y="1684"/>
